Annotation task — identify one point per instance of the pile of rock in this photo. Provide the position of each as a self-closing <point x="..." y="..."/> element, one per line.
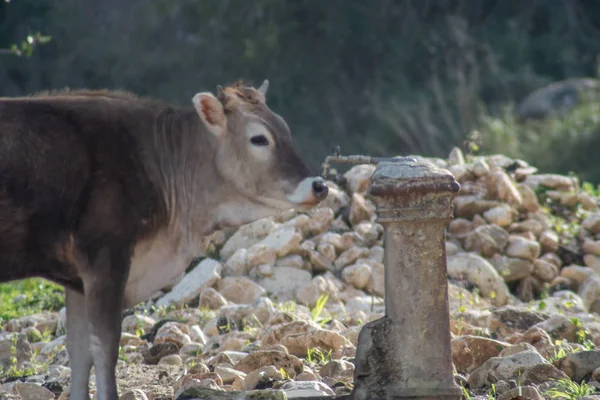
<point x="249" y="316"/>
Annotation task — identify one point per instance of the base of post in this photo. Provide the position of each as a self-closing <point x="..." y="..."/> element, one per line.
<point x="451" y="393"/>
<point x="387" y="370"/>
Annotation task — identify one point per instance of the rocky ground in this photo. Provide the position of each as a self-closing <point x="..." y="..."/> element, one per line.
<point x="274" y="309"/>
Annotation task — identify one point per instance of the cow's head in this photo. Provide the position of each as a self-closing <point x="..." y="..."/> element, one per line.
<point x="255" y="150"/>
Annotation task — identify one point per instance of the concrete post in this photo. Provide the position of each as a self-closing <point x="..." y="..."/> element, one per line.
<point x="406" y="354"/>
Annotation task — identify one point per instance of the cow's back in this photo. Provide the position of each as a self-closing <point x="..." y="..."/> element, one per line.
<point x="58" y="157"/>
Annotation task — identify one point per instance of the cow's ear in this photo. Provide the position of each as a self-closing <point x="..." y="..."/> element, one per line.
<point x="211" y="112"/>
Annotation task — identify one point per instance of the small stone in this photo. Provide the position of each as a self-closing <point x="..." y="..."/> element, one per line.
<point x="558" y="327"/>
<point x="205" y="274"/>
<point x="530" y="202"/>
<point x="592" y="261"/>
<point x="467" y="206"/>
<point x="509" y="319"/>
<point x="592" y="223"/>
<point x="328" y="251"/>
<point x="263" y="375"/>
<point x="487" y="240"/>
<point x="502" y="187"/>
<point x="522" y="248"/>
<point x="461" y="172"/>
<point x="260" y="254"/>
<point x="469" y="352"/>
<point x="456" y="157"/>
<point x="351" y="255"/>
<point x="357" y="275"/>
<point x="501" y="215"/>
<point x="320" y="221"/>
<point x="588" y="202"/>
<point x="504" y="368"/>
<point x="294" y="260"/>
<point x="237" y="264"/>
<point x="536" y="337"/>
<point x="512" y="269"/>
<point x="376" y="253"/>
<point x="481" y="168"/>
<point x="211" y="299"/>
<point x="460" y="227"/>
<point x="292" y="365"/>
<point x="541" y="373"/>
<point x="198" y="369"/>
<point x="319" y="262"/>
<point x="544" y="271"/>
<point x="347" y="240"/>
<point x="522" y="392"/>
<point x="286" y="240"/>
<point x="306" y="376"/>
<point x="478" y="271"/>
<point x="591" y="246"/>
<point x="336" y="198"/>
<point x="552" y="258"/>
<point x="23" y="350"/>
<point x="552" y="181"/>
<point x="578" y="365"/>
<point x="247" y="235"/>
<point x="549" y="241"/>
<point x="360" y="210"/>
<point x="358" y="178"/>
<point x="228" y="375"/>
<point x="173" y="332"/>
<point x="261" y="271"/>
<point x="191" y="349"/>
<point x="340" y="370"/>
<point x="324" y="339"/>
<point x="197" y="335"/>
<point x="285" y="281"/>
<point x="589" y="290"/>
<point x="532" y="226"/>
<point x="376" y="283"/>
<point x="135" y="394"/>
<point x="171" y="359"/>
<point x="134" y="322"/>
<point x="240" y="289"/>
<point x="32" y="391"/>
<point x="306" y="389"/>
<point x="576" y="273"/>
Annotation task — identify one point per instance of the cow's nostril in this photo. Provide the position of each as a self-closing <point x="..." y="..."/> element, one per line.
<point x="320" y="189"/>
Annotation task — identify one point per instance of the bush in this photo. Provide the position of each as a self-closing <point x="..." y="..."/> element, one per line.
<point x="564" y="144"/>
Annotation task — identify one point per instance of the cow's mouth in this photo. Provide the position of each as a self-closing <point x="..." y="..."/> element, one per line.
<point x="309" y="192"/>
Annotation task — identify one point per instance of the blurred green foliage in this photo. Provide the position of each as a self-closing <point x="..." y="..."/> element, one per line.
<point x="565" y="144"/>
<point x="29" y="296"/>
<point x="383" y="78"/>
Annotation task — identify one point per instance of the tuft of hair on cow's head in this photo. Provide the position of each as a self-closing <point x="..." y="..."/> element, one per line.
<point x="255" y="152"/>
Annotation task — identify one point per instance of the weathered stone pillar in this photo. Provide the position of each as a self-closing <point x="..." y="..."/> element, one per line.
<point x="406" y="354"/>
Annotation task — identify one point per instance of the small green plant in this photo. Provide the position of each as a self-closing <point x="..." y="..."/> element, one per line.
<point x="284" y="374"/>
<point x="491" y="395"/>
<point x="316" y="356"/>
<point x="569" y="390"/>
<point x="25" y="48"/>
<point x="465" y="392"/>
<point x="318" y="309"/>
<point x="288" y="307"/>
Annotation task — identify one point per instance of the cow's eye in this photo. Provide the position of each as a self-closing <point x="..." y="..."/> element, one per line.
<point x="259" y="140"/>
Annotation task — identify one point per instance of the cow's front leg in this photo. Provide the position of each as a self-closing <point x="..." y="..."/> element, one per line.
<point x="78" y="345"/>
<point x="104" y="292"/>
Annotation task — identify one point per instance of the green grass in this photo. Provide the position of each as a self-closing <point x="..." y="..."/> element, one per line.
<point x="569" y="390"/>
<point x="29" y="296"/>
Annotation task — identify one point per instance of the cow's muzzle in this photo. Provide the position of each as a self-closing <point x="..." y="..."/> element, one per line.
<point x="320" y="189"/>
<point x="309" y="192"/>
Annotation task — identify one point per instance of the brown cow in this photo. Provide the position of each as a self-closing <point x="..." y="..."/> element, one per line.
<point x="106" y="194"/>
